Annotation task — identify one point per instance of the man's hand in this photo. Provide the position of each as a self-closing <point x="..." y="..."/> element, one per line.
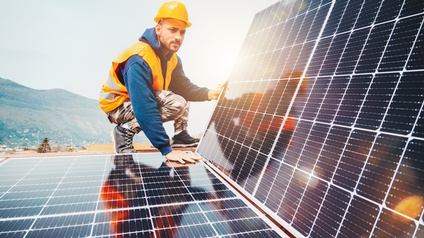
<point x="182" y="156"/>
<point x="214" y="93"/>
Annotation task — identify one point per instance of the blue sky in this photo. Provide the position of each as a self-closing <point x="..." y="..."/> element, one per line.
<point x="49" y="44"/>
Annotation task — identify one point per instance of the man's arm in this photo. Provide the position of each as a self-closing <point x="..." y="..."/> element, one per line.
<point x="182" y="85"/>
<point x="138" y="81"/>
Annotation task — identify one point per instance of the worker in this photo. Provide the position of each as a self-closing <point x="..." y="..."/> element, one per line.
<point x="147" y="86"/>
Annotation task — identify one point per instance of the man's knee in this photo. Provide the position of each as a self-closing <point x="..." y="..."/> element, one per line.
<point x="174" y="106"/>
<point x="179" y="106"/>
<point x="179" y="102"/>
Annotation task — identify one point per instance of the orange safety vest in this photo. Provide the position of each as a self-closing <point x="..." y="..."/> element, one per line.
<point x="114" y="93"/>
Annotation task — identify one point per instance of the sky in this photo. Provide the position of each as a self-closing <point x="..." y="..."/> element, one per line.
<point x="69" y="44"/>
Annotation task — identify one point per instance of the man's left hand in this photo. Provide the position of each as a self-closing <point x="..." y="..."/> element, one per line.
<point x="214" y="93"/>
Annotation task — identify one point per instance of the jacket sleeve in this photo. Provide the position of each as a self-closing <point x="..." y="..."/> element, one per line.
<point x="138" y="81"/>
<point x="181" y="85"/>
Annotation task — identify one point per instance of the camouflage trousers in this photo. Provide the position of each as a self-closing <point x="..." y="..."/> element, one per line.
<point x="171" y="107"/>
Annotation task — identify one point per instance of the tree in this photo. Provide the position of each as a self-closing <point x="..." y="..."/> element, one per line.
<point x="44" y="147"/>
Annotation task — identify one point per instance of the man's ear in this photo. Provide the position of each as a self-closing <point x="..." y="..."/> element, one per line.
<point x="158" y="27"/>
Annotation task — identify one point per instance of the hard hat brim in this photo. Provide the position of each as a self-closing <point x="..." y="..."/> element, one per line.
<point x="158" y="19"/>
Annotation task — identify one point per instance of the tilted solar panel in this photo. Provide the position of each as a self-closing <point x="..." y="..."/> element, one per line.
<point x="322" y="122"/>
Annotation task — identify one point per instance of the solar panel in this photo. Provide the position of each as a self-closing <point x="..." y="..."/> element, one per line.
<point x="322" y="122"/>
<point x="124" y="196"/>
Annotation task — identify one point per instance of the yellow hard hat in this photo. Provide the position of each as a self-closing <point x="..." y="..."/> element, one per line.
<point x="175" y="10"/>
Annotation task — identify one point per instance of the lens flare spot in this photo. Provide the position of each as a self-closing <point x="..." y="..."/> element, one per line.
<point x="411" y="206"/>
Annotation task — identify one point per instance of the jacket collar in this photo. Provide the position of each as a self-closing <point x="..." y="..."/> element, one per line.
<point x="149" y="36"/>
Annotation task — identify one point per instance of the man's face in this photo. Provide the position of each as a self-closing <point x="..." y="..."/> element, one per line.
<point x="170" y="34"/>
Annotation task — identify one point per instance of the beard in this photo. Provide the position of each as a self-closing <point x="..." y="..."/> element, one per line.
<point x="173" y="46"/>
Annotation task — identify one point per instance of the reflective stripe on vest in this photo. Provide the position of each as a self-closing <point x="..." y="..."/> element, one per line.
<point x="114" y="93"/>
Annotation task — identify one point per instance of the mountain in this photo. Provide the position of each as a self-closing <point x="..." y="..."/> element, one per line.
<point x="27" y="116"/>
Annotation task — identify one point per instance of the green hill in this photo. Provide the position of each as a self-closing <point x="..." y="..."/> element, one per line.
<point x="27" y="116"/>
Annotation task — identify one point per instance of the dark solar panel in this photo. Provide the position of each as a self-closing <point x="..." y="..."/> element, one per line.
<point x="120" y="196"/>
<point x="322" y="122"/>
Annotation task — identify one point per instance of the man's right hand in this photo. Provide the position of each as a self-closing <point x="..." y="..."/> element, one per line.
<point x="182" y="156"/>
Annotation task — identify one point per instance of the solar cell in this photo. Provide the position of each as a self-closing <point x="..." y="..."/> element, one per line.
<point x="349" y="164"/>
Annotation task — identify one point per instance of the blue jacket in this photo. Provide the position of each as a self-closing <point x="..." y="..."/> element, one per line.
<point x="137" y="78"/>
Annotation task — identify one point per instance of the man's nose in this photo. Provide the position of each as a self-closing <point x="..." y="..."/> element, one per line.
<point x="179" y="37"/>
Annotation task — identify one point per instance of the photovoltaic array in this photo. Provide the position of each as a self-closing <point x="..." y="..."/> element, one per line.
<point x="321" y="127"/>
<point x="120" y="196"/>
<point x="322" y="122"/>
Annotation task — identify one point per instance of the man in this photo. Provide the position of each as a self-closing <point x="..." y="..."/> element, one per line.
<point x="147" y="86"/>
